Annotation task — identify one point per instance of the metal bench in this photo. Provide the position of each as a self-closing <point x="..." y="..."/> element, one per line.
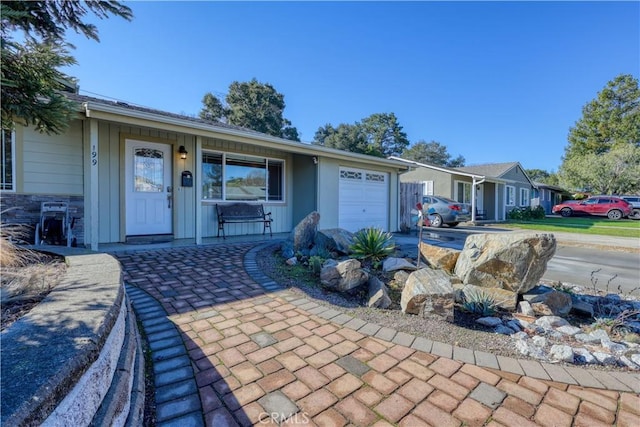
<point x="241" y="213"/>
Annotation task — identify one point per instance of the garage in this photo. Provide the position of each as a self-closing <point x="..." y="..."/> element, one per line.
<point x="363" y="199"/>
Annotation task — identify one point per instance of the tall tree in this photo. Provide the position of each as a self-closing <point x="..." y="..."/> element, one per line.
<point x="379" y="135"/>
<point x="433" y="153"/>
<point x="604" y="143"/>
<point x="384" y="135"/>
<point x="253" y="105"/>
<point x="31" y="79"/>
<point x="609" y="120"/>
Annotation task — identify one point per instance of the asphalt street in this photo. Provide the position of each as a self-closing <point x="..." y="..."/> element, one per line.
<point x="612" y="270"/>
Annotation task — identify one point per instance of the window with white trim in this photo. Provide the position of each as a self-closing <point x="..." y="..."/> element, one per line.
<point x="236" y="177"/>
<point x="510" y="195"/>
<point x="525" y="200"/>
<point x="427" y="188"/>
<point x="463" y="192"/>
<point x="8" y="160"/>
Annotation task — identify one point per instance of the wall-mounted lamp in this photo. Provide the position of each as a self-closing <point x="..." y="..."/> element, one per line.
<point x="183" y="152"/>
<point x="315" y="160"/>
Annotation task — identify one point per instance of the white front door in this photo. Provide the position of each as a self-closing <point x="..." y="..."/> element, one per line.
<point x="148" y="193"/>
<point x="363" y="199"/>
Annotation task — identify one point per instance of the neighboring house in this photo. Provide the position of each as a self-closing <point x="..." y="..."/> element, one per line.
<point x="546" y="195"/>
<point x="129" y="172"/>
<point x="492" y="189"/>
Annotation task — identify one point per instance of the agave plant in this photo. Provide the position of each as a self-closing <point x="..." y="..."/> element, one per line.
<point x="372" y="244"/>
<point x="479" y="303"/>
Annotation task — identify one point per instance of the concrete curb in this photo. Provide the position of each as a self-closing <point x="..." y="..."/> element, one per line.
<point x="60" y="360"/>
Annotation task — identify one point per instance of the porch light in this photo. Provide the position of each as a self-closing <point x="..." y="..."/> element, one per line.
<point x="183" y="152"/>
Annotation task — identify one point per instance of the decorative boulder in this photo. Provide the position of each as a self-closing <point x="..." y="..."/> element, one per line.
<point x="428" y="292"/>
<point x="378" y="294"/>
<point x="513" y="261"/>
<point x="439" y="257"/>
<point x="343" y="276"/>
<point x="394" y="264"/>
<point x="304" y="233"/>
<point x="334" y="240"/>
<point x="552" y="303"/>
<point x="399" y="279"/>
<point x="503" y="298"/>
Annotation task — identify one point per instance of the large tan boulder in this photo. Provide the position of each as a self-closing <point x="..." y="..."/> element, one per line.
<point x="513" y="261"/>
<point x="428" y="292"/>
<point x="439" y="257"/>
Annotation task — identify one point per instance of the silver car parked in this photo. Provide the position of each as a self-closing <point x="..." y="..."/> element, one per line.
<point x="441" y="210"/>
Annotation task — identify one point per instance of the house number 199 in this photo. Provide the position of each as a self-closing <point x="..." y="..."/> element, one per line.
<point x="94" y="156"/>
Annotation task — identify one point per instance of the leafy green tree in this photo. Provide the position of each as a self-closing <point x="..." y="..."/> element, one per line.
<point x="384" y="135"/>
<point x="31" y="79"/>
<point x="379" y="135"/>
<point x="344" y="137"/>
<point x="253" y="105"/>
<point x="602" y="154"/>
<point x="610" y="120"/>
<point x="614" y="172"/>
<point x="432" y="153"/>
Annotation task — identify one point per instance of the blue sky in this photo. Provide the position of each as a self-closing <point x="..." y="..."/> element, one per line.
<point x="492" y="81"/>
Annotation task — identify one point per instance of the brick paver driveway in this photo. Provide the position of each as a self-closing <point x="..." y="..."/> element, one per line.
<point x="236" y="350"/>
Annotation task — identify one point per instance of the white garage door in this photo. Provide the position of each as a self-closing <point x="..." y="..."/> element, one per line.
<point x="363" y="199"/>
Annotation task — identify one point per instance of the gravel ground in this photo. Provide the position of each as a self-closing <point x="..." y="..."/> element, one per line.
<point x="463" y="332"/>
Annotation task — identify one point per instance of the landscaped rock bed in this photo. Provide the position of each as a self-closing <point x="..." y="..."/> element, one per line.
<point x="550" y="322"/>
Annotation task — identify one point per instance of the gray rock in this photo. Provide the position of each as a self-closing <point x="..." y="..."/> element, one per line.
<point x="522" y="346"/>
<point x="586" y="338"/>
<point x="334" y="240"/>
<point x="613" y="346"/>
<point x="287" y="249"/>
<point x="520" y="335"/>
<point x="582" y="308"/>
<point x="489" y="321"/>
<point x="513" y="261"/>
<point x="539" y="341"/>
<point x="552" y="303"/>
<point x="515" y="325"/>
<point x="600" y="334"/>
<point x="378" y="294"/>
<point x="439" y="257"/>
<point x="503" y="298"/>
<point x="525" y="308"/>
<point x="343" y="276"/>
<point x="628" y="363"/>
<point x="582" y="355"/>
<point x="394" y="264"/>
<point x="292" y="261"/>
<point x="604" y="358"/>
<point x="551" y="322"/>
<point x="635" y="358"/>
<point x="304" y="233"/>
<point x="501" y="329"/>
<point x="536" y="291"/>
<point x="561" y="352"/>
<point x="400" y="278"/>
<point x="568" y="330"/>
<point x="428" y="292"/>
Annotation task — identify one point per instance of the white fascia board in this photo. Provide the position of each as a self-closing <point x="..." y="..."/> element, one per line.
<point x="93" y="109"/>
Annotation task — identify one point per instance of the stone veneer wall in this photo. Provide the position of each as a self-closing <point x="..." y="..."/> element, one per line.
<point x="24" y="209"/>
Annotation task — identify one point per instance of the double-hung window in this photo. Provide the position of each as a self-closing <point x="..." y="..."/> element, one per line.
<point x="8" y="160"/>
<point x="463" y="192"/>
<point x="524" y="197"/>
<point x="511" y="195"/>
<point x="236" y="177"/>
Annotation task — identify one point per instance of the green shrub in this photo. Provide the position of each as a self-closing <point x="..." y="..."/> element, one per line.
<point x="372" y="244"/>
<point x="526" y="214"/>
<point x="315" y="264"/>
<point x="480" y="303"/>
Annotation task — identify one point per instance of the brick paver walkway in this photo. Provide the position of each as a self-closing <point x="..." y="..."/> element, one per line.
<point x="230" y="347"/>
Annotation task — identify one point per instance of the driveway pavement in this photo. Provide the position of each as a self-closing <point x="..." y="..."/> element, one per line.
<point x="231" y="347"/>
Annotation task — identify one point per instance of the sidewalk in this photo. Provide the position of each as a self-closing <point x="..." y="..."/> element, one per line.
<point x="231" y="347"/>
